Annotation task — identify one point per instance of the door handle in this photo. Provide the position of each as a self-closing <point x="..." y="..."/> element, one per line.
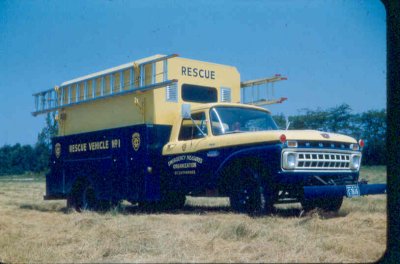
<point x="171" y="146"/>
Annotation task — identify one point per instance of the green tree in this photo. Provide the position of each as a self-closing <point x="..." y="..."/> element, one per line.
<point x="280" y="120"/>
<point x="310" y="119"/>
<point x="340" y="119"/>
<point x="372" y="128"/>
<point x="43" y="146"/>
<point x="16" y="159"/>
<point x="337" y="119"/>
<point x="49" y="131"/>
<point x="5" y="159"/>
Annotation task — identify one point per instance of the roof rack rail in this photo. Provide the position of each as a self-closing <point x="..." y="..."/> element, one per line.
<point x="128" y="78"/>
<point x="265" y="97"/>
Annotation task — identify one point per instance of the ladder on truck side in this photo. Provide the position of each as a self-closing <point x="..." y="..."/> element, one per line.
<point x="117" y="81"/>
<point x="264" y="97"/>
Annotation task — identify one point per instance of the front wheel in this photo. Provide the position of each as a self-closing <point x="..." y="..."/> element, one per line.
<point x="248" y="196"/>
<point x="173" y="200"/>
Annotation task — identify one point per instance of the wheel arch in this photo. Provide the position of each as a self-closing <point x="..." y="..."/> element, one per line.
<point x="233" y="168"/>
<point x="78" y="183"/>
<point x="261" y="157"/>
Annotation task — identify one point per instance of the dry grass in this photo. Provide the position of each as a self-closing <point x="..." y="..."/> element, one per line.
<point x="33" y="230"/>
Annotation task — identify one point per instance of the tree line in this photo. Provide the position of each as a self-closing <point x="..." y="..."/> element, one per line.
<point x="370" y="126"/>
<point x="20" y="159"/>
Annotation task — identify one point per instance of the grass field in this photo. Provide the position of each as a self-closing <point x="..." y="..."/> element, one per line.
<point x="33" y="230"/>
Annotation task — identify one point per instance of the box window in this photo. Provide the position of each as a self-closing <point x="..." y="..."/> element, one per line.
<point x="199" y="94"/>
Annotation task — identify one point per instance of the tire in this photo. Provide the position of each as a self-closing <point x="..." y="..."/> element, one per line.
<point x="74" y="198"/>
<point x="308" y="204"/>
<point x="332" y="205"/>
<point x="173" y="200"/>
<point x="326" y="204"/>
<point x="148" y="206"/>
<point x="105" y="205"/>
<point x="83" y="197"/>
<point x="248" y="195"/>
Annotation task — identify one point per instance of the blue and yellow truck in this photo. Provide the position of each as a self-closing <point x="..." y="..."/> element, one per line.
<point x="163" y="127"/>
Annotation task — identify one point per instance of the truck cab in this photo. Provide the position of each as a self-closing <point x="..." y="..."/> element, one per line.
<point x="238" y="151"/>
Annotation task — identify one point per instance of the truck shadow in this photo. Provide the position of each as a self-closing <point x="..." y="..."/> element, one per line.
<point x="204" y="210"/>
<point x="45" y="207"/>
<point x="188" y="210"/>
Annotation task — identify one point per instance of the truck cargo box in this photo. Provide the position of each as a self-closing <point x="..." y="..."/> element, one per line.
<point x="116" y="162"/>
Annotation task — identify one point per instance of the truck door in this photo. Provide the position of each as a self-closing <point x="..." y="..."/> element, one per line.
<point x="193" y="133"/>
<point x="187" y="164"/>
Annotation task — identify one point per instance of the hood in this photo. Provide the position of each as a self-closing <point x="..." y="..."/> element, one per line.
<point x="274" y="135"/>
<point x="314" y="135"/>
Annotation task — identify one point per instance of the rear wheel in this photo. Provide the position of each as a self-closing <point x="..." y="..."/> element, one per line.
<point x="83" y="197"/>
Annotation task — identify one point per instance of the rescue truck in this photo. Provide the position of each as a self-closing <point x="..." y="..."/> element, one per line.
<point x="158" y="129"/>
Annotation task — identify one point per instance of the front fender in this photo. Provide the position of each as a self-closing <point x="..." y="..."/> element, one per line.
<point x="269" y="155"/>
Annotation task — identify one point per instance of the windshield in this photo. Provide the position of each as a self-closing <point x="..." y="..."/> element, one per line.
<point x="226" y="120"/>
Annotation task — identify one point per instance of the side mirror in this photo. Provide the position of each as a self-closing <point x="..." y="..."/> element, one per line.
<point x="186" y="111"/>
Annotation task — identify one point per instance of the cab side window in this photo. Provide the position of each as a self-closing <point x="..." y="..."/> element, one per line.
<point x="189" y="130"/>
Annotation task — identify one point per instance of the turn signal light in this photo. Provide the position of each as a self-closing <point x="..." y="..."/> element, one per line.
<point x="282" y="138"/>
<point x="361" y="143"/>
<point x="354" y="147"/>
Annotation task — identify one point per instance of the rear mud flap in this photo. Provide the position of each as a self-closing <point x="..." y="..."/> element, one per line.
<point x="313" y="192"/>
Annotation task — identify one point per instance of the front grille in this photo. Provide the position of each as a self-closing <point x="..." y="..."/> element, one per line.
<point x="323" y="160"/>
<point x="323" y="145"/>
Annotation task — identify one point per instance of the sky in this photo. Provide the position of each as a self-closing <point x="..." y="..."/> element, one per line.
<point x="332" y="52"/>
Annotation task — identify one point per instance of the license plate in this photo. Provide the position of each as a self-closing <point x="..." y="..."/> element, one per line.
<point x="352" y="191"/>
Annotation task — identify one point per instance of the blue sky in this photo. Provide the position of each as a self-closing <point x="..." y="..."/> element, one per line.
<point x="332" y="52"/>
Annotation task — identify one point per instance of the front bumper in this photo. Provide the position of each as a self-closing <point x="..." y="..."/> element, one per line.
<point x="331" y="191"/>
<point x="313" y="178"/>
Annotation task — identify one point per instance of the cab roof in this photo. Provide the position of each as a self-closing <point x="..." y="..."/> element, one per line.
<point x="210" y="105"/>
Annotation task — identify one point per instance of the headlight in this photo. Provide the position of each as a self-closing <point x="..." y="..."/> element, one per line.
<point x="355" y="162"/>
<point x="289" y="160"/>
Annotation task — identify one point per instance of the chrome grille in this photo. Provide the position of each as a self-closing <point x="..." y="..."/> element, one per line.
<point x="323" y="160"/>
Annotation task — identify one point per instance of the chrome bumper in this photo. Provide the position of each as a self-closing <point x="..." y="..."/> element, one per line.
<point x="330" y="191"/>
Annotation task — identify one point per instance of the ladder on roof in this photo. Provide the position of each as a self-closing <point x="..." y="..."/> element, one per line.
<point x="264" y="97"/>
<point x="130" y="78"/>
